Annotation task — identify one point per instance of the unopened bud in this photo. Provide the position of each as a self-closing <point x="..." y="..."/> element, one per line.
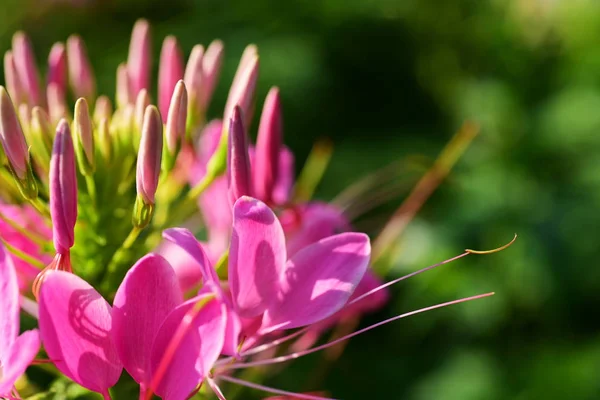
<point x="141" y="103"/>
<point x="83" y="134"/>
<point x="194" y="81"/>
<point x="211" y="69"/>
<point x="139" y="61"/>
<point x="238" y="162"/>
<point x="81" y="75"/>
<point x="63" y="189"/>
<point x="12" y="137"/>
<point x="123" y="91"/>
<point x="170" y="71"/>
<point x="27" y="69"/>
<point x="243" y="88"/>
<point x="176" y="120"/>
<point x="57" y="66"/>
<point x="13" y="82"/>
<point x="149" y="156"/>
<point x="105" y="143"/>
<point x="41" y="135"/>
<point x="103" y="109"/>
<point x="57" y="104"/>
<point x="268" y="146"/>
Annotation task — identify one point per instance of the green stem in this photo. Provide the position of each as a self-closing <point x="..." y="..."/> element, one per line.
<point x="91" y="186"/>
<point x="121" y="252"/>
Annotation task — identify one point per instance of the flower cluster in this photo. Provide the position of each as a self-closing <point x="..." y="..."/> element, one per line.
<point x="107" y="203"/>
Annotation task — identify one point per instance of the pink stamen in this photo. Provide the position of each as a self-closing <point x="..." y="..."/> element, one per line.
<point x="293" y="356"/>
<point x="390" y="283"/>
<point x="216" y="389"/>
<point x="272" y="390"/>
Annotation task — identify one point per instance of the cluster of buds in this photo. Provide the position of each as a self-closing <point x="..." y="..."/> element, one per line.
<point x="110" y="191"/>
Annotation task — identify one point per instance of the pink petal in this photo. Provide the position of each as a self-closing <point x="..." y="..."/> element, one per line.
<point x="311" y="223"/>
<point x="149" y="292"/>
<point x="256" y="257"/>
<point x="19" y="356"/>
<point x="9" y="302"/>
<point x="186" y="240"/>
<point x="76" y="325"/>
<point x="29" y="219"/>
<point x="197" y="351"/>
<point x="318" y="281"/>
<point x="186" y="268"/>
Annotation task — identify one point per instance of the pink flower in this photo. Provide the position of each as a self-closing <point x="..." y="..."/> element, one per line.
<point x="90" y="341"/>
<point x="16" y="351"/>
<point x="283" y="293"/>
<point x="27" y="218"/>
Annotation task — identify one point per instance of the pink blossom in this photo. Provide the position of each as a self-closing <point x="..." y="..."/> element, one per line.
<point x="90" y="341"/>
<point x="16" y="351"/>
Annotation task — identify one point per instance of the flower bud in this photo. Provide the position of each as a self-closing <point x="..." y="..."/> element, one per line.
<point x="57" y="66"/>
<point x="41" y="135"/>
<point x="141" y="103"/>
<point x="268" y="145"/>
<point x="176" y="120"/>
<point x="238" y="162"/>
<point x="63" y="189"/>
<point x="170" y="71"/>
<point x="57" y="104"/>
<point x="27" y="69"/>
<point x="149" y="156"/>
<point x="12" y="137"/>
<point x="139" y="61"/>
<point x="194" y="82"/>
<point x="11" y="77"/>
<point x="123" y="93"/>
<point x="81" y="75"/>
<point x="211" y="69"/>
<point x="102" y="110"/>
<point x="84" y="138"/>
<point x="105" y="144"/>
<point x="242" y="90"/>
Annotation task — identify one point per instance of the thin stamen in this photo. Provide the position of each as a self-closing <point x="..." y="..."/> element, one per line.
<point x="293" y="356"/>
<point x="271" y="390"/>
<point x="215" y="388"/>
<point x="390" y="283"/>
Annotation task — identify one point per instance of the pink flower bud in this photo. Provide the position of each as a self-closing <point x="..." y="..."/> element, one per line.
<point x="211" y="69"/>
<point x="123" y="92"/>
<point x="11" y="77"/>
<point x="268" y="145"/>
<point x="57" y="66"/>
<point x="57" y="104"/>
<point x="170" y="71"/>
<point x="238" y="161"/>
<point x="242" y="90"/>
<point x="194" y="79"/>
<point x="175" y="131"/>
<point x="12" y="137"/>
<point x="81" y="75"/>
<point x="139" y="61"/>
<point x="141" y="103"/>
<point x="27" y="68"/>
<point x="83" y="132"/>
<point x="150" y="155"/>
<point x="63" y="189"/>
<point x="103" y="109"/>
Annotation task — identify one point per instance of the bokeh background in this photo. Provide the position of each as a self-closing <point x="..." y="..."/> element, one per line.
<point x="392" y="80"/>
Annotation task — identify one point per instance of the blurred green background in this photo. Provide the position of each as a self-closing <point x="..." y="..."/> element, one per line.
<point x="390" y="79"/>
